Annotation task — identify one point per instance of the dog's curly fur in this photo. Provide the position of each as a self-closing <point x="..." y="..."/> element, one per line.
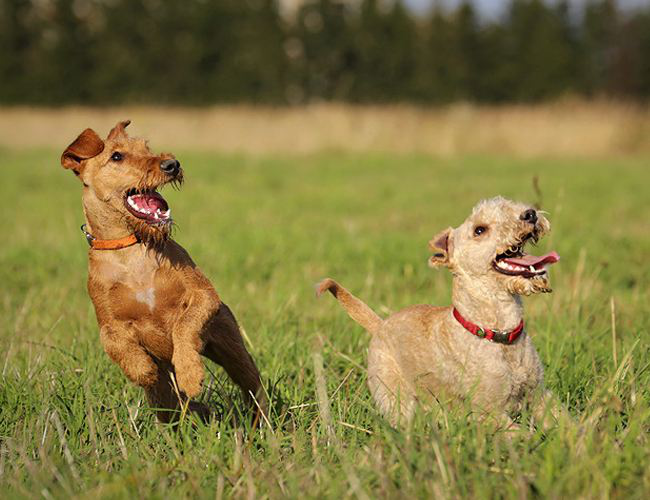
<point x="424" y="351"/>
<point x="156" y="311"/>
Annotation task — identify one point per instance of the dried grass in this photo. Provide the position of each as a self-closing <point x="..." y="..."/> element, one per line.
<point x="565" y="128"/>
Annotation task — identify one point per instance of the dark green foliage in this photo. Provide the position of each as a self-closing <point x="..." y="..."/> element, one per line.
<point x="18" y="39"/>
<point x="540" y="52"/>
<point x="323" y="46"/>
<point x="386" y="52"/>
<point x="209" y="51"/>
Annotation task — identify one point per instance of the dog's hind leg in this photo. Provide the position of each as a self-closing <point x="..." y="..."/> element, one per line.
<point x="164" y="398"/>
<point x="225" y="346"/>
<point x="394" y="397"/>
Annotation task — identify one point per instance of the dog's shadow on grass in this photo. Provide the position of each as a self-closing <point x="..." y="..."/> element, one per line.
<point x="222" y="402"/>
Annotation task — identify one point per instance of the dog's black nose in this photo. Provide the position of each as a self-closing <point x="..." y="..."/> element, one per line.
<point x="170" y="167"/>
<point x="529" y="216"/>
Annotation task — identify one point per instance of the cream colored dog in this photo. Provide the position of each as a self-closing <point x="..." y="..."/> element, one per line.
<point x="475" y="350"/>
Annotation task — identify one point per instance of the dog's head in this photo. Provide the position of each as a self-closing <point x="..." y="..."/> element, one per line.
<point x="120" y="177"/>
<point x="489" y="247"/>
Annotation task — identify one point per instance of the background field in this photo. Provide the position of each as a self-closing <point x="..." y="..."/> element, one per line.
<point x="567" y="128"/>
<point x="265" y="227"/>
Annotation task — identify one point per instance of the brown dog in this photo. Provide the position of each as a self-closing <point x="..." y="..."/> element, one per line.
<point x="157" y="312"/>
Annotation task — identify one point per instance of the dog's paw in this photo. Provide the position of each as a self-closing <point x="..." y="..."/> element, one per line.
<point x="146" y="376"/>
<point x="190" y="381"/>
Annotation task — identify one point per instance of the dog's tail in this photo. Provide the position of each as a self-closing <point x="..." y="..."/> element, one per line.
<point x="357" y="309"/>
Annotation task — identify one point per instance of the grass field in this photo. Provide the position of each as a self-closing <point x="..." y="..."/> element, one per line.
<point x="265" y="228"/>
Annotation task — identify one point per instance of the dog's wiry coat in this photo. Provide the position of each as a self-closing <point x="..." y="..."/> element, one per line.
<point x="156" y="310"/>
<point x="423" y="351"/>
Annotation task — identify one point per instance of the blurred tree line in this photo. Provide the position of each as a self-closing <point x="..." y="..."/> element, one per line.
<point x="205" y="51"/>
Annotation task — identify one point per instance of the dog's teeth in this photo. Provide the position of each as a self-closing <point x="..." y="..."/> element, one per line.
<point x="532" y="268"/>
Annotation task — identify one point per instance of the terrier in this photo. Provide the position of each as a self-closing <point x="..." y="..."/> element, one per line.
<point x="477" y="349"/>
<point x="156" y="310"/>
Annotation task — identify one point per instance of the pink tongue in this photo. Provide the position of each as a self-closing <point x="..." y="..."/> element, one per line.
<point x="534" y="260"/>
<point x="151" y="202"/>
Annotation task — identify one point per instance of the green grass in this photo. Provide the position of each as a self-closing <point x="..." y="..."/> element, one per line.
<point x="265" y="229"/>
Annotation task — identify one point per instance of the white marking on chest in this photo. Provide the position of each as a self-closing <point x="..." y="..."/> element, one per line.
<point x="147" y="296"/>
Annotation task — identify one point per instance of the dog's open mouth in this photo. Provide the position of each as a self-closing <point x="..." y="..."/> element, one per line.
<point x="514" y="262"/>
<point x="148" y="205"/>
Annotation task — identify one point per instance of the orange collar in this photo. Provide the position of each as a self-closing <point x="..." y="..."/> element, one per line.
<point x="96" y="244"/>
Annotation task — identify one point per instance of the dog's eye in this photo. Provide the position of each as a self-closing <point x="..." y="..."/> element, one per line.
<point x="117" y="156"/>
<point x="479" y="230"/>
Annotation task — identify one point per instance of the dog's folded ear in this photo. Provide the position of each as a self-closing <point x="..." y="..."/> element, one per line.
<point x="440" y="245"/>
<point x="86" y="146"/>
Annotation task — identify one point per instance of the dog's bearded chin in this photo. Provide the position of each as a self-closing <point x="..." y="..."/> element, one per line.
<point x="150" y="215"/>
<point x="518" y="285"/>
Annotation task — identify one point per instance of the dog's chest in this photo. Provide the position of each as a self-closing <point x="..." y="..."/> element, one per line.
<point x="518" y="371"/>
<point x="143" y="287"/>
<point x="136" y="290"/>
<point x="499" y="375"/>
<point x="137" y="287"/>
<point x="146" y="295"/>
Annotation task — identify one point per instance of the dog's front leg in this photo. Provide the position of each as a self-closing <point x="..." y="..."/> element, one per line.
<point x="122" y="347"/>
<point x="548" y="411"/>
<point x="188" y="343"/>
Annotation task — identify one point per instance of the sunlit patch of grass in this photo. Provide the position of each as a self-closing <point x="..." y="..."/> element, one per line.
<point x="265" y="229"/>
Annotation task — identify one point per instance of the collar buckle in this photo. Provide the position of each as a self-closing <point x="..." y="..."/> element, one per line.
<point x="501" y="337"/>
<point x="89" y="237"/>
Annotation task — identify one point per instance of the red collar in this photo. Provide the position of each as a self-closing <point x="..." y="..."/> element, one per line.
<point x="494" y="335"/>
<point x="96" y="244"/>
